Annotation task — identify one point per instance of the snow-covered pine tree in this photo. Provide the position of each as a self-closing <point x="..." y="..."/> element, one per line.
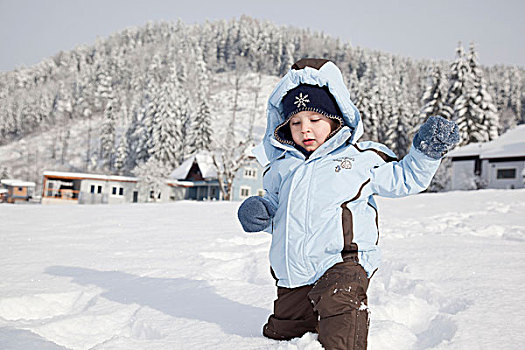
<point x="104" y="88"/>
<point x="149" y="108"/>
<point x="121" y="156"/>
<point x="433" y="99"/>
<point x="43" y="108"/>
<point x="123" y="115"/>
<point x="166" y="137"/>
<point x="488" y="118"/>
<point x="458" y="83"/>
<point x="63" y="104"/>
<point x="87" y="159"/>
<point x="147" y="119"/>
<point x="184" y="112"/>
<point x="468" y="117"/>
<point x="500" y="84"/>
<point x="473" y="110"/>
<point x="197" y="129"/>
<point x="201" y="128"/>
<point x="402" y="129"/>
<point x="384" y="100"/>
<point x="517" y="97"/>
<point x="29" y="116"/>
<point x="5" y="172"/>
<point x="63" y="112"/>
<point x="462" y="97"/>
<point x="107" y="136"/>
<point x="65" y="146"/>
<point x="366" y="101"/>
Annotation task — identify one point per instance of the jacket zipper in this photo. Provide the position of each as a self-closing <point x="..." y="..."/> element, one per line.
<point x="307" y="218"/>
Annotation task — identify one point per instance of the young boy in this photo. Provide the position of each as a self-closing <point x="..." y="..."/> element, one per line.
<point x="319" y="204"/>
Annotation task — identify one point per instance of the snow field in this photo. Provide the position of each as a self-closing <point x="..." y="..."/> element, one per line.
<point x="184" y="276"/>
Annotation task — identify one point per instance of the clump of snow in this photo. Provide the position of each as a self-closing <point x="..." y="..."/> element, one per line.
<point x="43" y="306"/>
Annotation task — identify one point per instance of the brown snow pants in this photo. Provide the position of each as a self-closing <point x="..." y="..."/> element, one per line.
<point x="334" y="307"/>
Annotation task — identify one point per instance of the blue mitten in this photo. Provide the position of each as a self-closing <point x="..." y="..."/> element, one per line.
<point x="255" y="214"/>
<point x="436" y="137"/>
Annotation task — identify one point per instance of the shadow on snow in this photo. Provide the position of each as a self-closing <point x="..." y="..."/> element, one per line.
<point x="178" y="297"/>
<point x="16" y="339"/>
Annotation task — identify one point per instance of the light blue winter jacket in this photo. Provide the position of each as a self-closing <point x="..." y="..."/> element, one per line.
<point x="336" y="183"/>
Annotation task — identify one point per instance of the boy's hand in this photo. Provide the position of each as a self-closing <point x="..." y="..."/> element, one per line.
<point x="436" y="137"/>
<point x="255" y="214"/>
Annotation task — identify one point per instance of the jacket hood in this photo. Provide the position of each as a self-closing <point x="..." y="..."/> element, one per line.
<point x="312" y="72"/>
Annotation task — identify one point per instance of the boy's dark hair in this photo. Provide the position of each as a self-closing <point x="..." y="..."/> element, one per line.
<point x="316" y="63"/>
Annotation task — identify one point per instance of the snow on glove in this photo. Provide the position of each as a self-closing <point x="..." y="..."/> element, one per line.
<point x="255" y="214"/>
<point x="436" y="137"/>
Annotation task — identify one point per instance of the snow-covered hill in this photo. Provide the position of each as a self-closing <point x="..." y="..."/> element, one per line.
<point x="185" y="276"/>
<point x="28" y="157"/>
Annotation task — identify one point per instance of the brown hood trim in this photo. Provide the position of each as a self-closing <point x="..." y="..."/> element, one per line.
<point x="347" y="220"/>
<point x="316" y="63"/>
<point x="383" y="155"/>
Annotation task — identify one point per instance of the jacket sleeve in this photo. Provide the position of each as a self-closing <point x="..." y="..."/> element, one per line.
<point x="271" y="184"/>
<point x="410" y="175"/>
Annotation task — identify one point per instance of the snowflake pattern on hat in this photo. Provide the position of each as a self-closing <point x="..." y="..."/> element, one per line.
<point x="301" y="100"/>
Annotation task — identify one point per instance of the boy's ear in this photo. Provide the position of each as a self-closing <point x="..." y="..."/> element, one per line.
<point x="334" y="124"/>
<point x="316" y="63"/>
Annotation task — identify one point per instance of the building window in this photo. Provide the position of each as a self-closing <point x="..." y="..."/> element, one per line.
<point x="99" y="189"/>
<point x="250" y="173"/>
<point x="117" y="191"/>
<point x="506" y="174"/>
<point x="245" y="191"/>
<point x="92" y="189"/>
<point x="260" y="193"/>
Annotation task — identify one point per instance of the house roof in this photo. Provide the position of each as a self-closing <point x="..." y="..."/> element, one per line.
<point x="205" y="163"/>
<point x="510" y="144"/>
<point x="17" y="183"/>
<point x="84" y="176"/>
<point x="62" y="174"/>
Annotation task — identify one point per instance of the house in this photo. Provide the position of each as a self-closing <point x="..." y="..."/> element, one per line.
<point x="248" y="181"/>
<point x="198" y="176"/>
<point x="496" y="164"/>
<point x="13" y="191"/>
<point x="80" y="188"/>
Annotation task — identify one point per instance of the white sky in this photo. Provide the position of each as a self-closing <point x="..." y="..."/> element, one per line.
<point x="31" y="30"/>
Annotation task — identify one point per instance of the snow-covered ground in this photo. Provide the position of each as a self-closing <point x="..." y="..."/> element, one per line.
<point x="185" y="276"/>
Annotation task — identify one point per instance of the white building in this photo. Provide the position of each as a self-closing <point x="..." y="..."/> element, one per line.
<point x="79" y="188"/>
<point x="495" y="164"/>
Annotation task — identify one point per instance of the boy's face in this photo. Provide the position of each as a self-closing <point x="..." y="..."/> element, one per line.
<point x="310" y="129"/>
